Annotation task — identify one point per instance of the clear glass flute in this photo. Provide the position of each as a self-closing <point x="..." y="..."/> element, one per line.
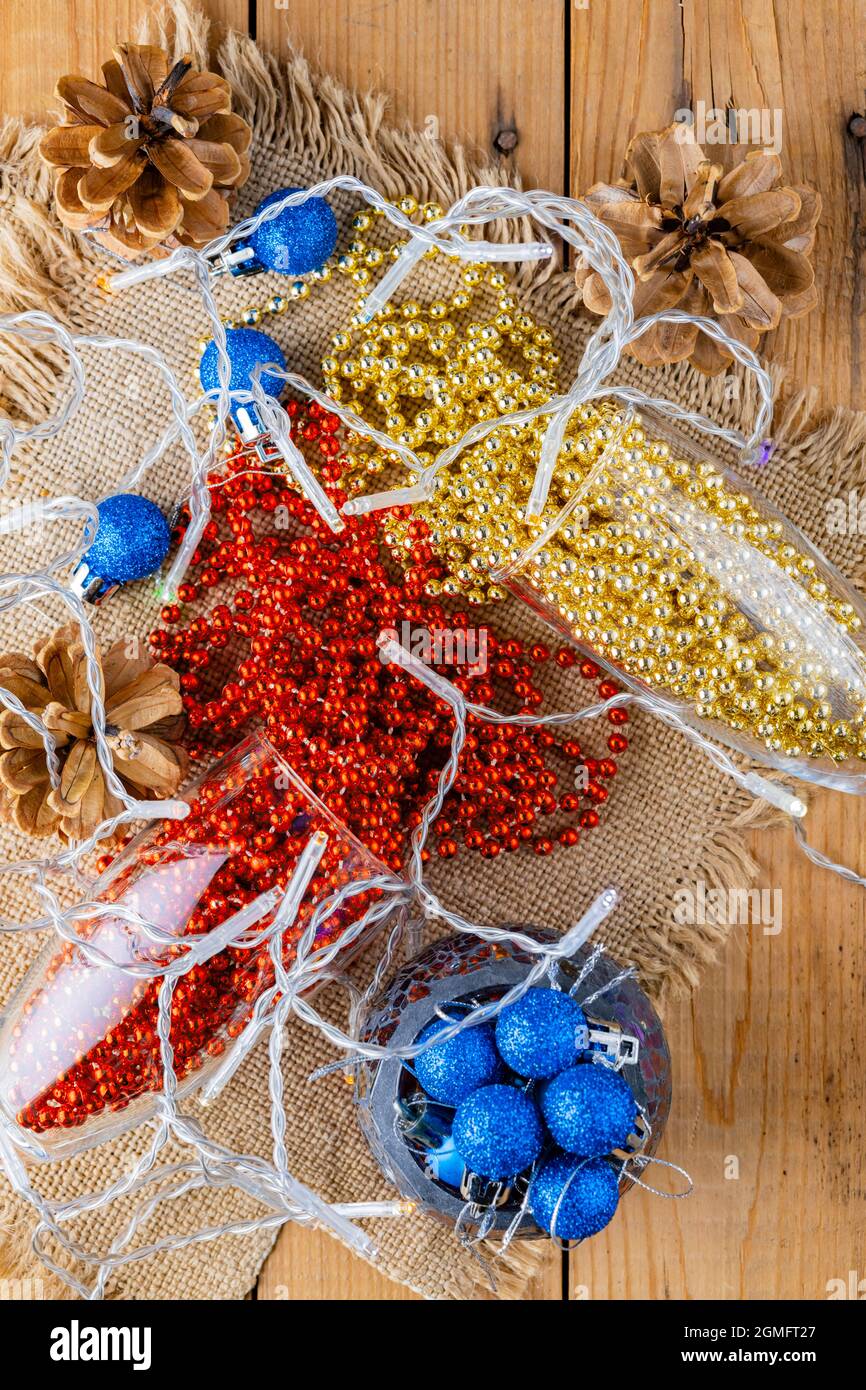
<point x="681" y="579"/>
<point x="79" y="1050"/>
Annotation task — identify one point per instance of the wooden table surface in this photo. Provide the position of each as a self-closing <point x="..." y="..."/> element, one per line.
<point x="770" y="1054"/>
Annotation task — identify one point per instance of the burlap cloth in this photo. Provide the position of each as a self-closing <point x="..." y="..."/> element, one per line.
<point x="673" y="819"/>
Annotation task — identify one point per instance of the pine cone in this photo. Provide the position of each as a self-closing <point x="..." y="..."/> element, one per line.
<point x="152" y="155"/>
<point x="144" y="717"/>
<point x="699" y="240"/>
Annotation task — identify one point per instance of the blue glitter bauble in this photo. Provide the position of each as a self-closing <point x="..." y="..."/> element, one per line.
<point x="572" y="1199"/>
<point x="298" y="239"/>
<point x="132" y="540"/>
<point x="537" y="1034"/>
<point x="589" y="1110"/>
<point x="246" y="348"/>
<point x="498" y="1132"/>
<point x="453" y="1070"/>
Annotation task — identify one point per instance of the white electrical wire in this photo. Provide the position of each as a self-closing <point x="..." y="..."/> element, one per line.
<point x="282" y="1196"/>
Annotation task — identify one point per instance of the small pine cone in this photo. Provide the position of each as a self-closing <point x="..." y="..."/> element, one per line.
<point x="151" y="158"/>
<point x="732" y="245"/>
<point x="144" y="718"/>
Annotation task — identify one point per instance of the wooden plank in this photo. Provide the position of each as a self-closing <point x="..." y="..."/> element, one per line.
<point x="471" y="69"/>
<point x="58" y="36"/>
<point x="474" y="70"/>
<point x="312" y="1265"/>
<point x="768" y="1071"/>
<point x="308" y="1265"/>
<point x="768" y="1058"/>
<point x="635" y="63"/>
<point x="767" y="1112"/>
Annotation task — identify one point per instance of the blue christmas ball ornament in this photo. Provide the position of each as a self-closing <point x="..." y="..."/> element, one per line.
<point x="456" y="1068"/>
<point x="297" y="240"/>
<point x="131" y="541"/>
<point x="589" y="1110"/>
<point x="246" y="349"/>
<point x="541" y="1033"/>
<point x="498" y="1132"/>
<point x="572" y="1198"/>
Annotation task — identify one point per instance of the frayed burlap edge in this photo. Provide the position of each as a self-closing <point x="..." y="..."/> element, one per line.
<point x="290" y="106"/>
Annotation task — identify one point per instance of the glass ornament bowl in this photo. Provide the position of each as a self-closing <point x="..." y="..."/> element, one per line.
<point x="410" y="1135"/>
<point x="683" y="581"/>
<point x="79" y="1050"/>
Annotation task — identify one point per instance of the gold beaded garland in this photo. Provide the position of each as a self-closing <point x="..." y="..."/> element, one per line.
<point x="675" y="575"/>
<point x="425" y="373"/>
<point x="356" y="264"/>
<point x="659" y="564"/>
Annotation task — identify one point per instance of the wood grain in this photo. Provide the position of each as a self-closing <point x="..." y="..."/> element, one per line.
<point x="770" y="1054"/>
<point x="768" y="1073"/>
<point x="636" y="63"/>
<point x="309" y="1265"/>
<point x="40" y="42"/>
<point x="477" y="68"/>
<point x="768" y="1093"/>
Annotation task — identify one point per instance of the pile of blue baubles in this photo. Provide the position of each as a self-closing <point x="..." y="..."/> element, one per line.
<point x="527" y="1092"/>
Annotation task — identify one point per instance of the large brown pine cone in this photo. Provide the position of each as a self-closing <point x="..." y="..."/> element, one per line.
<point x="144" y="718"/>
<point x="153" y="155"/>
<point x="732" y="245"/>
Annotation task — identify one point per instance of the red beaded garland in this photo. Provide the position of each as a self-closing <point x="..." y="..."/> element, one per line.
<point x="289" y="642"/>
<point x="242" y="837"/>
<point x="303" y="623"/>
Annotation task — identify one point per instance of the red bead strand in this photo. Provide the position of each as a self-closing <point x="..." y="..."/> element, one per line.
<point x="302" y="626"/>
<point x="277" y="625"/>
